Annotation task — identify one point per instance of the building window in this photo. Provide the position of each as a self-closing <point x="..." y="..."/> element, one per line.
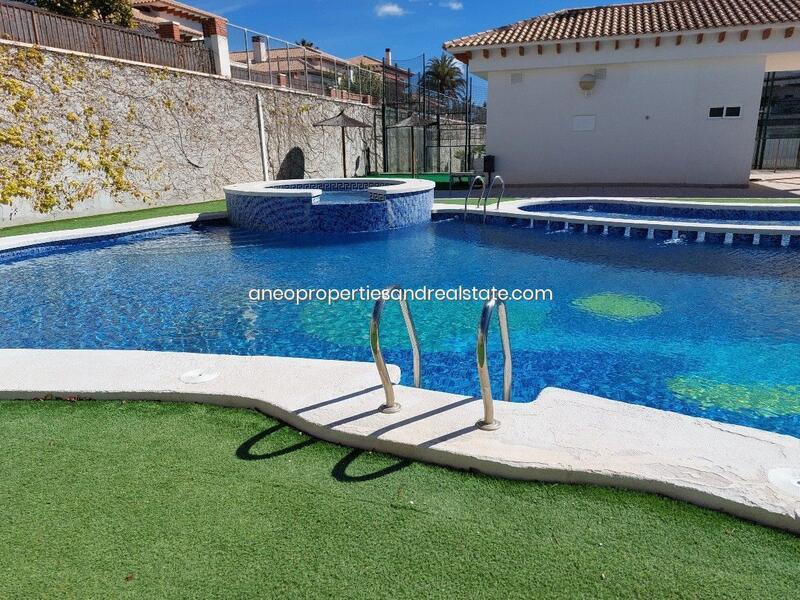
<point x="725" y="112"/>
<point x="733" y="112"/>
<point x="716" y="112"/>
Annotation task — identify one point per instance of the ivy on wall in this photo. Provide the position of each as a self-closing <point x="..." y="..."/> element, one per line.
<point x="54" y="152"/>
<point x="77" y="130"/>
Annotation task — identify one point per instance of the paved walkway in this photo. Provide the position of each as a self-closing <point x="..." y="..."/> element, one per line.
<point x="763" y="184"/>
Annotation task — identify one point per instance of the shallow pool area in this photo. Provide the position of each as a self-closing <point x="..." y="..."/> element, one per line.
<point x="670" y="212"/>
<point x="698" y="329"/>
<point x="725" y="222"/>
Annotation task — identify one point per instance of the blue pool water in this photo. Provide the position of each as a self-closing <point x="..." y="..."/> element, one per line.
<point x="619" y="210"/>
<point x="703" y="330"/>
<point x="344" y="197"/>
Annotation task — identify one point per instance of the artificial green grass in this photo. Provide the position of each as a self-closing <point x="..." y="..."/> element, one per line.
<point x="105" y="499"/>
<point x="114" y="218"/>
<point x="434" y="176"/>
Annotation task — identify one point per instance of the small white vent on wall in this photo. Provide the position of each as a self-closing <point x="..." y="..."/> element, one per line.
<point x="600" y="73"/>
<point x="583" y="123"/>
<point x="516" y="78"/>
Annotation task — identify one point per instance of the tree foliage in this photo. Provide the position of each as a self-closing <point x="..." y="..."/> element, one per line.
<point x="444" y="76"/>
<point x="116" y="12"/>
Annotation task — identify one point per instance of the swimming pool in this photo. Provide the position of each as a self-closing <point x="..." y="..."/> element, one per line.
<point x="344" y="197"/>
<point x="654" y="211"/>
<point x="703" y="330"/>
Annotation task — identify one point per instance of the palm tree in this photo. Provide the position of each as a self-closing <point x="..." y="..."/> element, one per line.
<point x="306" y="43"/>
<point x="444" y="75"/>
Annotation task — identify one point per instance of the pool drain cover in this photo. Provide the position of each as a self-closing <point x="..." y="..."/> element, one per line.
<point x="199" y="376"/>
<point x="786" y="480"/>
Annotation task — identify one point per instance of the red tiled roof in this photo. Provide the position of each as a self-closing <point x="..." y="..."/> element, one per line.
<point x="636" y="19"/>
<point x="172" y="6"/>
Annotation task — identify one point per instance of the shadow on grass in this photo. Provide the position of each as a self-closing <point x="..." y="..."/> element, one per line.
<point x="339" y="472"/>
<point x="245" y="451"/>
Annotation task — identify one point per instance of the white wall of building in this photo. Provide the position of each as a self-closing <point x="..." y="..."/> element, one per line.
<point x="650" y="111"/>
<point x="651" y="122"/>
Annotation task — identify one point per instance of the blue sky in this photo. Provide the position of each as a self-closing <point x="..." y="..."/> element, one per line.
<point x="351" y="27"/>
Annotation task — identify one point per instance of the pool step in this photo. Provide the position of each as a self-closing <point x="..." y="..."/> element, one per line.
<point x="728" y="238"/>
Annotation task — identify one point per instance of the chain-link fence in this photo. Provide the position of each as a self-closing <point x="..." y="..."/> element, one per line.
<point x="266" y="59"/>
<point x="449" y="127"/>
<point x="778" y="137"/>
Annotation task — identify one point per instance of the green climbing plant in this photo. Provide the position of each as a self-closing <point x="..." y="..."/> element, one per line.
<point x="54" y="154"/>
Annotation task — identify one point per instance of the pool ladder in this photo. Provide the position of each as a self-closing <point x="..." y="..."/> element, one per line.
<point x="486" y="193"/>
<point x="391" y="406"/>
<point x="489" y="194"/>
<point x="476" y="179"/>
<point x="396" y="292"/>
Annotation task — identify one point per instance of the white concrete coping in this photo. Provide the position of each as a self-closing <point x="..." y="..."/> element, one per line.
<point x="561" y="437"/>
<point x="676" y="202"/>
<point x="279" y="189"/>
<point x="16" y="242"/>
<point x="514" y="209"/>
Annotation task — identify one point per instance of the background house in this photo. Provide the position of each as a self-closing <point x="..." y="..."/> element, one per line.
<point x="660" y="92"/>
<point x="170" y="20"/>
<point x="314" y="70"/>
<point x="394" y="74"/>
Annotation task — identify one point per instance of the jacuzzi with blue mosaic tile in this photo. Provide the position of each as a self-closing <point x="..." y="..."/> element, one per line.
<point x="330" y="205"/>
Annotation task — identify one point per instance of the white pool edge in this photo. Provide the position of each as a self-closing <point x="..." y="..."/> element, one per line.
<point x="742" y="489"/>
<point x="561" y="437"/>
<point x="279" y="188"/>
<point x="514" y="209"/>
<point x="19" y="242"/>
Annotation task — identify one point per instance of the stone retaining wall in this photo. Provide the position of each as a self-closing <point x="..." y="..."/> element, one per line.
<point x="83" y="135"/>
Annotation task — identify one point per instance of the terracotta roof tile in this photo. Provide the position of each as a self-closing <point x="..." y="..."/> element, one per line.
<point x="664" y="16"/>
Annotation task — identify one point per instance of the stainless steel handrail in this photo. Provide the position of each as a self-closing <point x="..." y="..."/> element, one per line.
<point x="489" y="423"/>
<point x="489" y="194"/>
<point x="375" y="344"/>
<point x="469" y="192"/>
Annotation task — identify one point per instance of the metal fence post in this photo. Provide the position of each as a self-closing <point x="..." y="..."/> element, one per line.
<point x="424" y="92"/>
<point x="305" y="64"/>
<point x="288" y="66"/>
<point x="247" y="55"/>
<point x="269" y="60"/>
<point x="467" y="140"/>
<point x="384" y="141"/>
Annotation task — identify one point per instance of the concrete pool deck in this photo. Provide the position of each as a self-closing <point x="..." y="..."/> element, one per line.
<point x="561" y="437"/>
<point x="763" y="184"/>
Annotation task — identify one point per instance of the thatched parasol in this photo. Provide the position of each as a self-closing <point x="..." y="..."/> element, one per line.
<point x="343" y="121"/>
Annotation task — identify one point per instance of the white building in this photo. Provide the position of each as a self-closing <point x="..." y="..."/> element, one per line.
<point x="663" y="92"/>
